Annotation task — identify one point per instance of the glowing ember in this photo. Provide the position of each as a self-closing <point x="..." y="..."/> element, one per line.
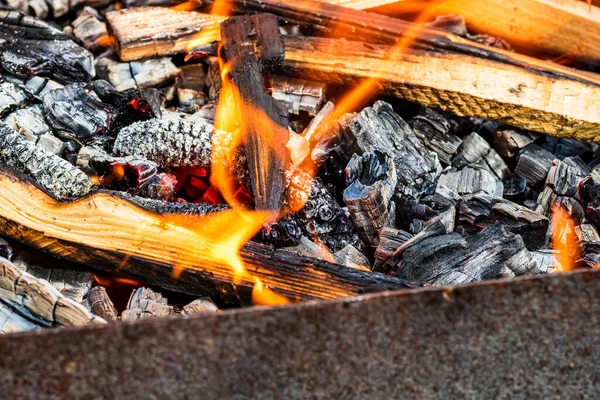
<point x="563" y="238"/>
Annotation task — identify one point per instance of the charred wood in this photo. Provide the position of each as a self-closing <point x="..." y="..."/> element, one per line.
<point x="534" y="164"/>
<point x="351" y="257"/>
<point x="579" y="165"/>
<point x="29" y="122"/>
<point x="190" y="100"/>
<point x="286" y="232"/>
<point x="14" y="319"/>
<point x="98" y="302"/>
<point x="470" y="180"/>
<point x="434" y="131"/>
<point x="137" y="74"/>
<point x="146" y="303"/>
<point x="508" y="141"/>
<point x="390" y="240"/>
<point x="200" y="306"/>
<point x="298" y="94"/>
<point x="515" y="189"/>
<point x="91" y="30"/>
<point x="36" y="86"/>
<point x="11" y="97"/>
<point x="476" y="150"/>
<point x="160" y="187"/>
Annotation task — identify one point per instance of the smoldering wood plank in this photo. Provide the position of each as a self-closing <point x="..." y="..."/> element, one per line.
<point x="108" y="233"/>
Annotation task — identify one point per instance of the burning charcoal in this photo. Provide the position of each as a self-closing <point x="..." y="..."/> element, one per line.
<point x="190" y="100"/>
<point x="563" y="179"/>
<point x="29" y="46"/>
<point x="5" y="250"/>
<point x="160" y="187"/>
<point x="351" y="257"/>
<point x="200" y="306"/>
<point x="470" y="180"/>
<point x="534" y="164"/>
<point x="213" y="80"/>
<point x="51" y="144"/>
<point x="146" y="303"/>
<point x="283" y="233"/>
<point x="508" y="141"/>
<point x="548" y="199"/>
<point x="515" y="188"/>
<point x="29" y="122"/>
<point x="298" y="94"/>
<point x="57" y="176"/>
<point x="450" y="259"/>
<point x="193" y="76"/>
<point x="480" y="211"/>
<point x="434" y="132"/>
<point x="40" y="299"/>
<point x="476" y="150"/>
<point x="138" y="74"/>
<point x="131" y="105"/>
<point x="91" y="30"/>
<point x="11" y="97"/>
<point x="98" y="302"/>
<point x="371" y="180"/>
<point x="380" y="128"/>
<point x="390" y="240"/>
<point x="171" y="142"/>
<point x="577" y="163"/>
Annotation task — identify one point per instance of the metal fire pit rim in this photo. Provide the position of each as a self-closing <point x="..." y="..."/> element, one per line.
<point x="406" y="294"/>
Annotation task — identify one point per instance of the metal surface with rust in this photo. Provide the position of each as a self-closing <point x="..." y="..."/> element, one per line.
<point x="523" y="338"/>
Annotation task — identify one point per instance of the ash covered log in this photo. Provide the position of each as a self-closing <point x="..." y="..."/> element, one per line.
<point x="57" y="176"/>
<point x="98" y="302"/>
<point x="29" y="46"/>
<point x="371" y="182"/>
<point x="479" y="211"/>
<point x="11" y="97"/>
<point x="156" y="245"/>
<point x="438" y="258"/>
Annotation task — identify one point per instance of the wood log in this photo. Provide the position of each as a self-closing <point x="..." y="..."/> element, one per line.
<point x="108" y="233"/>
<point x="516" y="90"/>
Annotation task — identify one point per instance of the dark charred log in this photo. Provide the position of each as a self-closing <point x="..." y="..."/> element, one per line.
<point x="534" y="164"/>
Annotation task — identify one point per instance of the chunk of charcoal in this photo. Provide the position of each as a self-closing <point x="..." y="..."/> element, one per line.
<point x="146" y="303"/>
<point x="380" y="128"/>
<point x="515" y="188"/>
<point x="36" y="86"/>
<point x="286" y="232"/>
<point x="577" y="163"/>
<point x="29" y="122"/>
<point x="566" y="147"/>
<point x="390" y="240"/>
<point x="98" y="302"/>
<point x="563" y="179"/>
<point x="434" y="131"/>
<point x="51" y="144"/>
<point x="5" y="250"/>
<point x="508" y="141"/>
<point x="52" y="173"/>
<point x="160" y="187"/>
<point x="91" y="30"/>
<point x="533" y="164"/>
<point x="480" y="211"/>
<point x="470" y="180"/>
<point x="548" y="200"/>
<point x="476" y="150"/>
<point x="190" y="100"/>
<point x="11" y="97"/>
<point x="138" y="74"/>
<point x="297" y="94"/>
<point x="450" y="259"/>
<point x="29" y="46"/>
<point x="193" y="76"/>
<point x="351" y="257"/>
<point x="589" y="193"/>
<point x="200" y="306"/>
<point x="546" y="260"/>
<point x="371" y="180"/>
<point x="409" y="210"/>
<point x="172" y="142"/>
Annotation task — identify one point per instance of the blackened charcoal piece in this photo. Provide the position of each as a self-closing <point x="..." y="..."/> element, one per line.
<point x="138" y="74"/>
<point x="390" y="240"/>
<point x="434" y="131"/>
<point x="29" y="46"/>
<point x="190" y="100"/>
<point x="51" y="144"/>
<point x="323" y="219"/>
<point x="534" y="164"/>
<point x="371" y="180"/>
<point x="476" y="150"/>
<point x="284" y="233"/>
<point x="380" y="128"/>
<point x="297" y="94"/>
<point x="450" y="259"/>
<point x="565" y="147"/>
<point x="351" y="257"/>
<point x="29" y="122"/>
<point x="589" y="193"/>
<point x="77" y="114"/>
<point x="52" y="173"/>
<point x="563" y="179"/>
<point x="579" y="165"/>
<point x="200" y="306"/>
<point x="172" y="142"/>
<point x="5" y="249"/>
<point x="589" y="245"/>
<point x="470" y="180"/>
<point x="515" y="188"/>
<point x="160" y="187"/>
<point x="36" y="86"/>
<point x="11" y="97"/>
<point x="508" y="141"/>
<point x="480" y="211"/>
<point x="561" y="189"/>
<point x="91" y="30"/>
<point x="171" y="207"/>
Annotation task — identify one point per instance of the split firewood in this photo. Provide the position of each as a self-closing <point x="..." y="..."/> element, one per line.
<point x="29" y="46"/>
<point x="136" y="74"/>
<point x="146" y="303"/>
<point x="371" y="182"/>
<point x="154" y="250"/>
<point x="434" y="132"/>
<point x="98" y="302"/>
<point x="39" y="300"/>
<point x="200" y="306"/>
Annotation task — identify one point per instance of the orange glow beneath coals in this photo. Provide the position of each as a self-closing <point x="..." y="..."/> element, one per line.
<point x="564" y="238"/>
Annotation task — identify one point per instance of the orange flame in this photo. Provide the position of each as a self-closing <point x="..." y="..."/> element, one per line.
<point x="563" y="238"/>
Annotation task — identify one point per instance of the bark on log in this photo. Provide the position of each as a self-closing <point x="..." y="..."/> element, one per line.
<point x="108" y="233"/>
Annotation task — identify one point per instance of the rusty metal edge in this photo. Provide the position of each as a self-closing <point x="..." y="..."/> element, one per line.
<point x="527" y="337"/>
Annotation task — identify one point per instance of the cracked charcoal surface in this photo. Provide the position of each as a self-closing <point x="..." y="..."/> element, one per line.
<point x="57" y="176"/>
<point x="172" y="142"/>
